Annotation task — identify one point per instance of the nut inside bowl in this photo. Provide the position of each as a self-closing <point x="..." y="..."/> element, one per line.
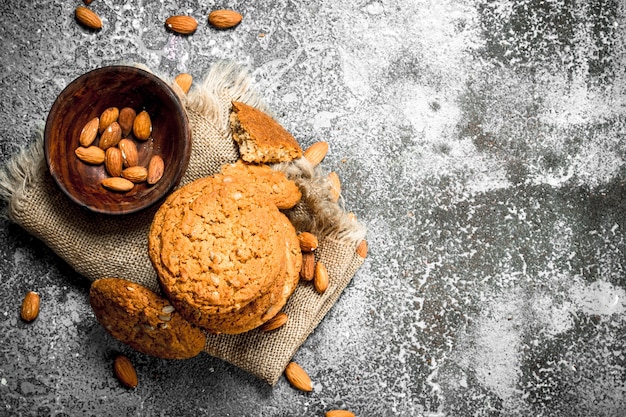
<point x="87" y="97"/>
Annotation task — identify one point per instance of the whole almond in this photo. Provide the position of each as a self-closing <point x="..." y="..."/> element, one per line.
<point x="93" y="155"/>
<point x="142" y="126"/>
<point x="316" y="152"/>
<point x="113" y="161"/>
<point x="275" y="322"/>
<point x="308" y="241"/>
<point x="88" y="18"/>
<point x="126" y="119"/>
<point x="117" y="184"/>
<point x="335" y="185"/>
<point x="30" y="306"/>
<point x="361" y="250"/>
<point x="298" y="378"/>
<point x="224" y="19"/>
<point x="307" y="270"/>
<point x="125" y="371"/>
<point x="107" y="117"/>
<point x="89" y="132"/>
<point x="130" y="155"/>
<point x="183" y="25"/>
<point x="184" y="81"/>
<point x="156" y="167"/>
<point x="320" y="280"/>
<point x="339" y="413"/>
<point x="111" y="136"/>
<point x="135" y="173"/>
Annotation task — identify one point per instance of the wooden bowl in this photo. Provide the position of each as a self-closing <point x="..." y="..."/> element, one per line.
<point x="87" y="97"/>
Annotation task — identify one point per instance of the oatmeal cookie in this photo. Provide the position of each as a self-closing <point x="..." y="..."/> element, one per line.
<point x="260" y="137"/>
<point x="260" y="179"/>
<point x="144" y="320"/>
<point x="220" y="251"/>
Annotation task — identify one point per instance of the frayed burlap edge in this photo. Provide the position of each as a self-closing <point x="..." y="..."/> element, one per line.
<point x="19" y="172"/>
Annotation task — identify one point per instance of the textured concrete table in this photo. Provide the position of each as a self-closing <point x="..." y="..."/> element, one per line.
<point x="482" y="142"/>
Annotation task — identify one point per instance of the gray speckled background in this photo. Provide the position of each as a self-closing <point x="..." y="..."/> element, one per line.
<point x="482" y="142"/>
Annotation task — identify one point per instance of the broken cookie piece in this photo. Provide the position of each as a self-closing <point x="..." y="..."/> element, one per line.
<point x="260" y="138"/>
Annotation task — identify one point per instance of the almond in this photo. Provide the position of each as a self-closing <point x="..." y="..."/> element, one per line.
<point x="339" y="413"/>
<point x="298" y="377"/>
<point x="30" y="306"/>
<point x="142" y="126"/>
<point x="156" y="167"/>
<point x="125" y="371"/>
<point x="184" y="81"/>
<point x="361" y="250"/>
<point x="307" y="270"/>
<point x="130" y="155"/>
<point x="88" y="18"/>
<point x="135" y="173"/>
<point x="117" y="184"/>
<point x="308" y="241"/>
<point x="92" y="155"/>
<point x="275" y="322"/>
<point x="316" y="152"/>
<point x="111" y="136"/>
<point x="107" y="117"/>
<point x="126" y="119"/>
<point x="113" y="161"/>
<point x="320" y="279"/>
<point x="89" y="132"/>
<point x="184" y="25"/>
<point x="335" y="185"/>
<point x="224" y="19"/>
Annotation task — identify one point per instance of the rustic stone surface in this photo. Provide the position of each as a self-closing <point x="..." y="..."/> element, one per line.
<point x="482" y="142"/>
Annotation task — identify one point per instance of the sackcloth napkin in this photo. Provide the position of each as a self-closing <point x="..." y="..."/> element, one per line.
<point x="97" y="245"/>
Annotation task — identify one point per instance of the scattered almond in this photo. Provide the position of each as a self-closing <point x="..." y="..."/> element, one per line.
<point x="316" y="152"/>
<point x="307" y="270"/>
<point x="135" y="173"/>
<point x="308" y="241"/>
<point x="125" y="371"/>
<point x="89" y="132"/>
<point x="30" y="306"/>
<point x="184" y="81"/>
<point x="339" y="413"/>
<point x="335" y="185"/>
<point x="156" y="167"/>
<point x="88" y="18"/>
<point x="111" y="136"/>
<point x="298" y="378"/>
<point x="142" y="126"/>
<point x="93" y="155"/>
<point x="361" y="250"/>
<point x="107" y="117"/>
<point x="130" y="155"/>
<point x="117" y="184"/>
<point x="224" y="19"/>
<point x="275" y="322"/>
<point x="320" y="279"/>
<point x="126" y="119"/>
<point x="184" y="25"/>
<point x="113" y="161"/>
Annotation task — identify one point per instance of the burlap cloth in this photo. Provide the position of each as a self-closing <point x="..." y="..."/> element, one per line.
<point x="98" y="246"/>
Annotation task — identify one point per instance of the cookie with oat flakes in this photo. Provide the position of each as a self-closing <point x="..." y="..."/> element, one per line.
<point x="144" y="320"/>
